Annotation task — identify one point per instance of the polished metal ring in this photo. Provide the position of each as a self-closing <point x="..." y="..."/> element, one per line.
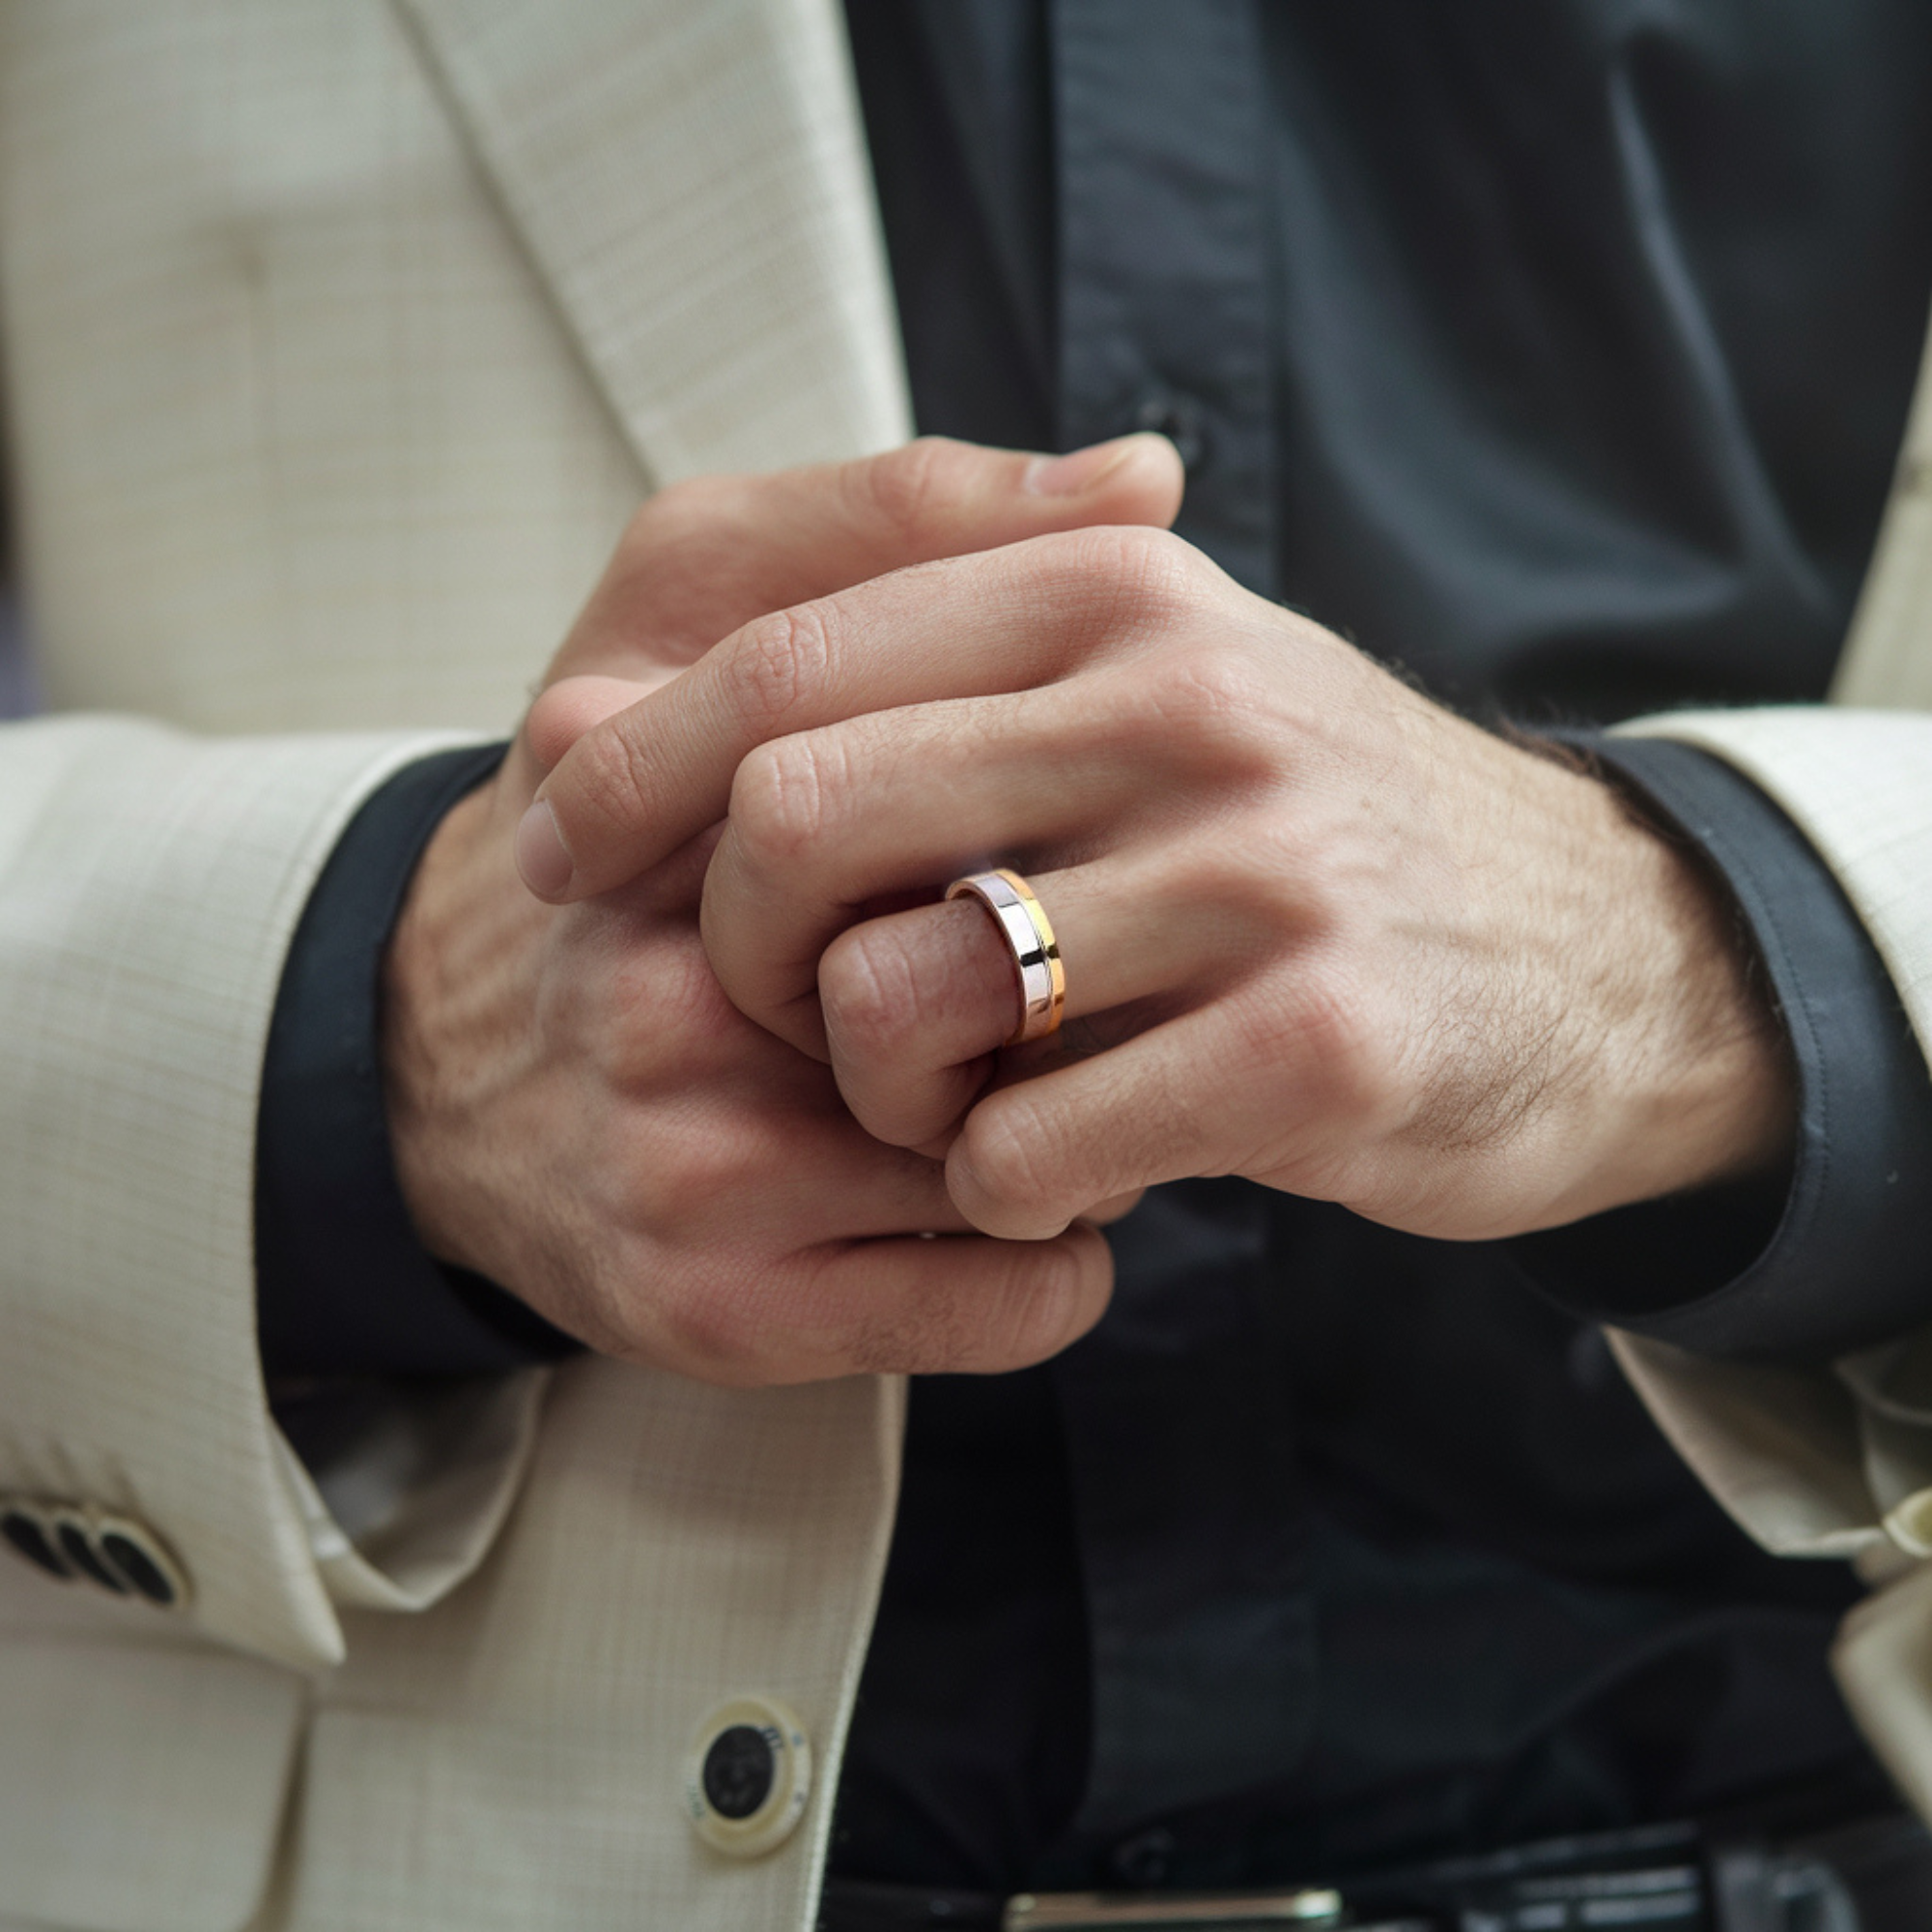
<point x="1028" y="931"/>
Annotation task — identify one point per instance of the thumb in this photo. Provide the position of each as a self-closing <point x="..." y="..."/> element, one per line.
<point x="936" y="498"/>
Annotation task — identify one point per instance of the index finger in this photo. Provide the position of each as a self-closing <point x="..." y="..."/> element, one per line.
<point x="640" y="784"/>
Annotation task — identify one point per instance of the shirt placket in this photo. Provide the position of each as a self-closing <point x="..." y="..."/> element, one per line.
<point x="1164" y="283"/>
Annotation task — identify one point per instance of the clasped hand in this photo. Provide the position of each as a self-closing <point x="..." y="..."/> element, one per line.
<point x="699" y="1095"/>
<point x="578" y="1111"/>
<point x="1318" y="930"/>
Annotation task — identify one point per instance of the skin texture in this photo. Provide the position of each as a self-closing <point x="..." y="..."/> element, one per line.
<point x="578" y="1110"/>
<point x="1318" y="930"/>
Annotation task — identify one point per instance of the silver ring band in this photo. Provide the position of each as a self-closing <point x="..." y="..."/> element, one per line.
<point x="1028" y="931"/>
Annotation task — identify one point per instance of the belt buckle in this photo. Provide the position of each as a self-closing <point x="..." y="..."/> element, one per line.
<point x="1204" y="1911"/>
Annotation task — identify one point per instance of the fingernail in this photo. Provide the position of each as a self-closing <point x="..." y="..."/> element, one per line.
<point x="1077" y="471"/>
<point x="546" y="866"/>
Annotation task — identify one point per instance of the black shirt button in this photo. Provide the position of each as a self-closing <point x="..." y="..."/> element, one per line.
<point x="1145" y="1858"/>
<point x="1179" y="417"/>
<point x="28" y="1536"/>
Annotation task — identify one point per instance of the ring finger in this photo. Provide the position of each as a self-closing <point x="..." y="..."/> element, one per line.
<point x="917" y="1003"/>
<point x="828" y="822"/>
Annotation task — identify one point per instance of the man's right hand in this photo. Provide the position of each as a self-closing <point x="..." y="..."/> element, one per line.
<point x="579" y="1112"/>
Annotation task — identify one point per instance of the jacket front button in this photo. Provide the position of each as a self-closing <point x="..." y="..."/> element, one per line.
<point x="141" y="1560"/>
<point x="747" y="1778"/>
<point x="30" y="1536"/>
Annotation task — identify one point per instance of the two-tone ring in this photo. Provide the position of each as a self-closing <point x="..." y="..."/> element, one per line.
<point x="1029" y="934"/>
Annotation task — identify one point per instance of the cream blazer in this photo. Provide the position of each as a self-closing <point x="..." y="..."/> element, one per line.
<point x="341" y="338"/>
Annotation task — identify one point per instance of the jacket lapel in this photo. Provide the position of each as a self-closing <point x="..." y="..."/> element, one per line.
<point x="691" y="181"/>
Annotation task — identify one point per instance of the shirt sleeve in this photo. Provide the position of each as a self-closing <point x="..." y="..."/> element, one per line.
<point x="1834" y="1252"/>
<point x="343" y="1287"/>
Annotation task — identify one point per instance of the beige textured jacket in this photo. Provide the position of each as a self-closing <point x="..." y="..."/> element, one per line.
<point x="342" y="336"/>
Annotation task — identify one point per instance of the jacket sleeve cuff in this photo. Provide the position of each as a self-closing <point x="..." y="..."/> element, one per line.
<point x="1826" y="1256"/>
<point x="150" y="884"/>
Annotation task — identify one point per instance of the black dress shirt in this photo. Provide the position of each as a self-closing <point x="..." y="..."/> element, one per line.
<point x="1559" y="352"/>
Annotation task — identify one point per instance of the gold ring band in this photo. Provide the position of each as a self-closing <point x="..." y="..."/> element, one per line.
<point x="1028" y="931"/>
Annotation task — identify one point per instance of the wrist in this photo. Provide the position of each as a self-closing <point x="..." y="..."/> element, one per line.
<point x="1692" y="1067"/>
<point x="441" y="972"/>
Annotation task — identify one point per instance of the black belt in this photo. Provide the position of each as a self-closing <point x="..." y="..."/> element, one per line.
<point x="859" y="1906"/>
<point x="1875" y="1876"/>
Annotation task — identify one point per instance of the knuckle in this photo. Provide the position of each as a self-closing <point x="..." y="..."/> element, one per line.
<point x="685" y="1189"/>
<point x="1230" y="675"/>
<point x="867" y="988"/>
<point x="670" y="1014"/>
<point x="1130" y="577"/>
<point x="604" y="776"/>
<point x="776" y="665"/>
<point x="1011" y="1152"/>
<point x="785" y="798"/>
<point x="1168" y="564"/>
<point x="712" y="1322"/>
<point x="879" y="997"/>
<point x="1336" y="1038"/>
<point x="1211" y="701"/>
<point x="1159" y="572"/>
<point x="908" y="489"/>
